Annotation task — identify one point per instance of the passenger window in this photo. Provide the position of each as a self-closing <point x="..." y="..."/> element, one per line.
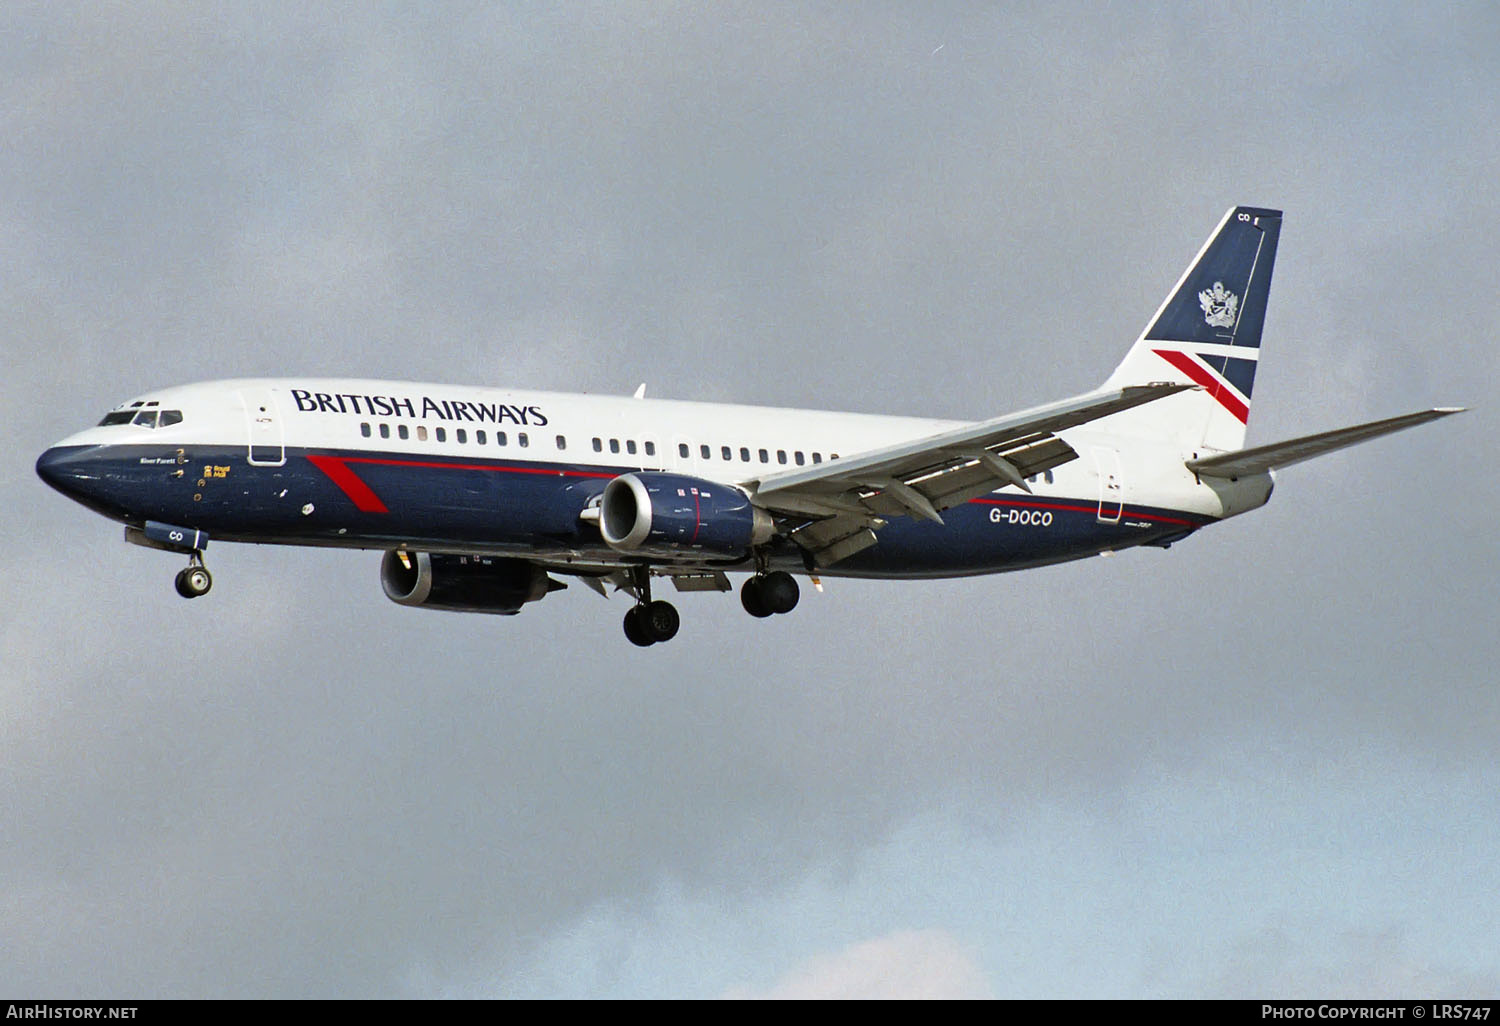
<point x="479" y="437"/>
<point x="385" y="431"/>
<point x="461" y="435"/>
<point x="650" y="448"/>
<point x="522" y="440"/>
<point x="614" y="445"/>
<point x="781" y="456"/>
<point x="1048" y="476"/>
<point x="817" y="457"/>
<point x="440" y="433"/>
<point x="706" y="452"/>
<point x="744" y="454"/>
<point x="500" y="438"/>
<point x="765" y="457"/>
<point x="364" y="429"/>
<point x="169" y="417"/>
<point x="630" y="446"/>
<point x="798" y="455"/>
<point x="403" y="432"/>
<point x="598" y="445"/>
<point x="682" y="449"/>
<point x="727" y="453"/>
<point x="421" y="432"/>
<point x="562" y="443"/>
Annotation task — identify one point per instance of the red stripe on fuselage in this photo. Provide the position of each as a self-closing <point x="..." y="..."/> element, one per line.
<point x="348" y="481"/>
<point x="366" y="501"/>
<point x="490" y="467"/>
<point x="1064" y="508"/>
<point x="1201" y="375"/>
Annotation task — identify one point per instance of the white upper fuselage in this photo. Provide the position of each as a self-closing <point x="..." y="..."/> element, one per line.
<point x="728" y="443"/>
<point x="330" y="413"/>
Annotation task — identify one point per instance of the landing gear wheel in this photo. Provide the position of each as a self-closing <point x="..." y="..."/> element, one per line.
<point x="753" y="598"/>
<point x="194" y="581"/>
<point x="779" y="589"/>
<point x="652" y="622"/>
<point x="660" y="620"/>
<point x="634" y="629"/>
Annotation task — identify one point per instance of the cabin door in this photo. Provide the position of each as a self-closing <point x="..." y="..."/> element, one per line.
<point x="267" y="445"/>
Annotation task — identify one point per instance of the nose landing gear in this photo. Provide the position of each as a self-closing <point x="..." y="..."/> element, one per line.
<point x="194" y="579"/>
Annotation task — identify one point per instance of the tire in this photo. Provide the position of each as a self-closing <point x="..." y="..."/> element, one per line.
<point x="193" y="581"/>
<point x="780" y="592"/>
<point x="634" y="629"/>
<point x="753" y="598"/>
<point x="660" y="621"/>
<point x="198" y="579"/>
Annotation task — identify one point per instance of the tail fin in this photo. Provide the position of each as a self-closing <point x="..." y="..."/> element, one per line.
<point x="1208" y="332"/>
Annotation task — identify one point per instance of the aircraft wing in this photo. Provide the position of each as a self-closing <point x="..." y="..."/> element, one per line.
<point x="1284" y="454"/>
<point x="846" y="500"/>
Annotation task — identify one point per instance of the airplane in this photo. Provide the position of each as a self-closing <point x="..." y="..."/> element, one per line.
<point x="483" y="498"/>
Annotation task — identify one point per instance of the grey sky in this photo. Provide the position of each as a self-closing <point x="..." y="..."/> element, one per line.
<point x="1261" y="762"/>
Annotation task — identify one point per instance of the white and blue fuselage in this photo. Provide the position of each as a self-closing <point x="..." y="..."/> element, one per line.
<point x="462" y="470"/>
<point x="479" y="496"/>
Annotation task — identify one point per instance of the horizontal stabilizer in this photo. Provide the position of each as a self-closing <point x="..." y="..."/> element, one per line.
<point x="1284" y="454"/>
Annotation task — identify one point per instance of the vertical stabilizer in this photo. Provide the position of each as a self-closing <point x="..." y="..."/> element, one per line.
<point x="1207" y="332"/>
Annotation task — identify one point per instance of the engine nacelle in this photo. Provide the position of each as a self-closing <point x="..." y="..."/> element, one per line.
<point x="468" y="584"/>
<point x="680" y="514"/>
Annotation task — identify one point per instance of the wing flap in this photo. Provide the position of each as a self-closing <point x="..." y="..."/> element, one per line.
<point x="850" y="498"/>
<point x="951" y="450"/>
<point x="1283" y="454"/>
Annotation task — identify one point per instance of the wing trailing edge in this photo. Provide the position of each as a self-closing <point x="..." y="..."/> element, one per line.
<point x="848" y="500"/>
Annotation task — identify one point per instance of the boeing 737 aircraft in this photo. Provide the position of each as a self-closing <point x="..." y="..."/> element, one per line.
<point x="483" y="498"/>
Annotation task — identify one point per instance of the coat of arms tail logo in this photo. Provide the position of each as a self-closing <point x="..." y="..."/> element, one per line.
<point x="1219" y="306"/>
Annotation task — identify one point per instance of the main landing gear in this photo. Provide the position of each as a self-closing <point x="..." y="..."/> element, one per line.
<point x="648" y="622"/>
<point x="765" y="594"/>
<point x="194" y="579"/>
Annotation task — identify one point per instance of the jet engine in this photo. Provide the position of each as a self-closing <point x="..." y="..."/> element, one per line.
<point x="469" y="584"/>
<point x="680" y="514"/>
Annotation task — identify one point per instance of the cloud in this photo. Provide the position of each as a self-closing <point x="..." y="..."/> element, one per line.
<point x="906" y="965"/>
<point x="1291" y="960"/>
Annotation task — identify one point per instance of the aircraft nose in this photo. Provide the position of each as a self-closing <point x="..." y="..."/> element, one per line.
<point x="86" y="474"/>
<point x="61" y="467"/>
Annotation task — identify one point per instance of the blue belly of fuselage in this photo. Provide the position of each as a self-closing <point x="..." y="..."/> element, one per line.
<point x="457" y="503"/>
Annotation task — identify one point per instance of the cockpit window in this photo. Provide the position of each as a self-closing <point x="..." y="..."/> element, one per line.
<point x="148" y="418"/>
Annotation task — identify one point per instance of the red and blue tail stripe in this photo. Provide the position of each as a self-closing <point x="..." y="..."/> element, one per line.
<point x="1201" y="370"/>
